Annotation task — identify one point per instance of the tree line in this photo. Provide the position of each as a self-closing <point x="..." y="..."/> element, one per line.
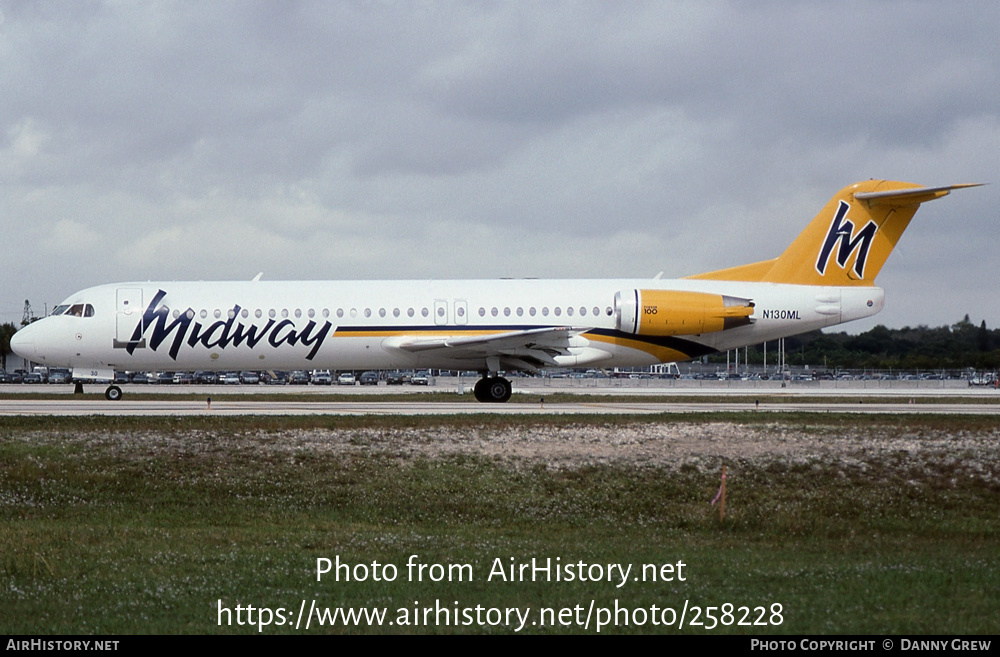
<point x="958" y="346"/>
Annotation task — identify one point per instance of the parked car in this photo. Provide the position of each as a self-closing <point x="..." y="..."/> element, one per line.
<point x="163" y="378"/>
<point x="298" y="379"/>
<point x="5" y="377"/>
<point x="59" y="375"/>
<point x="346" y="379"/>
<point x="321" y="378"/>
<point x="369" y="379"/>
<point x="249" y="378"/>
<point x="230" y="379"/>
<point x="274" y="378"/>
<point x="395" y="379"/>
<point x="420" y="379"/>
<point x="206" y="377"/>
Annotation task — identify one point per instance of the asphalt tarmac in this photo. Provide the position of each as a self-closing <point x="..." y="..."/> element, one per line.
<point x="953" y="398"/>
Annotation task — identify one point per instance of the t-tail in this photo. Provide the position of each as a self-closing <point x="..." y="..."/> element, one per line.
<point x="847" y="243"/>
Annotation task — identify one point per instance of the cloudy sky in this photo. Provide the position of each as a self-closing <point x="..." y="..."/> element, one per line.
<point x="314" y="140"/>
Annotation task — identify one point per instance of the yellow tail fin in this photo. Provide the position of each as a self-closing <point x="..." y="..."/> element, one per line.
<point x="848" y="241"/>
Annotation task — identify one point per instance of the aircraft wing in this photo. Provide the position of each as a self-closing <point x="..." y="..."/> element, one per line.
<point x="524" y="349"/>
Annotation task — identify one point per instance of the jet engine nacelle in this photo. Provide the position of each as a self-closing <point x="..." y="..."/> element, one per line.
<point x="672" y="312"/>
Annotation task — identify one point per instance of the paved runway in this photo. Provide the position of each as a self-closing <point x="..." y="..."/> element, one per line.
<point x="837" y="397"/>
<point x="78" y="407"/>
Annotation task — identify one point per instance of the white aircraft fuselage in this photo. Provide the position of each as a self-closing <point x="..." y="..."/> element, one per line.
<point x="346" y="325"/>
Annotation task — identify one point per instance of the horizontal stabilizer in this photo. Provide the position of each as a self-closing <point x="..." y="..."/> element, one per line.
<point x="910" y="196"/>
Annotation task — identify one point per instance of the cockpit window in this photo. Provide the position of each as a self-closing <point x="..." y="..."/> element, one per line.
<point x="81" y="310"/>
<point x="59" y="310"/>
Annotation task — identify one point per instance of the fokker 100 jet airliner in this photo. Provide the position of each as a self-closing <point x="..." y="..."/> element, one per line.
<point x="825" y="277"/>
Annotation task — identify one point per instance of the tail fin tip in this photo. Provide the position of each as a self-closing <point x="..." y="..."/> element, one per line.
<point x="850" y="239"/>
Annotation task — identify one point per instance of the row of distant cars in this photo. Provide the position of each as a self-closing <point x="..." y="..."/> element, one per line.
<point x="39" y="375"/>
<point x="369" y="378"/>
<point x="18" y="376"/>
<point x="205" y="377"/>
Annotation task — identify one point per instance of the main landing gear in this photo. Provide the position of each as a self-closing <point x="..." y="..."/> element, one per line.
<point x="113" y="393"/>
<point x="495" y="389"/>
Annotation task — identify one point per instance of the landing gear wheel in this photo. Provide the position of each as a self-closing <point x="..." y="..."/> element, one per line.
<point x="113" y="393"/>
<point x="479" y="390"/>
<point x="494" y="389"/>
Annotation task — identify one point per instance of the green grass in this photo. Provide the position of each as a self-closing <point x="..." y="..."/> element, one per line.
<point x="142" y="525"/>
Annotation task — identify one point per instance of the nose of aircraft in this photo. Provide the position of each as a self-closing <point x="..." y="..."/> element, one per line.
<point x="22" y="343"/>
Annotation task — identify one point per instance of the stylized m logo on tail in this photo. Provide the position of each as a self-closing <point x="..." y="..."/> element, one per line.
<point x="842" y="230"/>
